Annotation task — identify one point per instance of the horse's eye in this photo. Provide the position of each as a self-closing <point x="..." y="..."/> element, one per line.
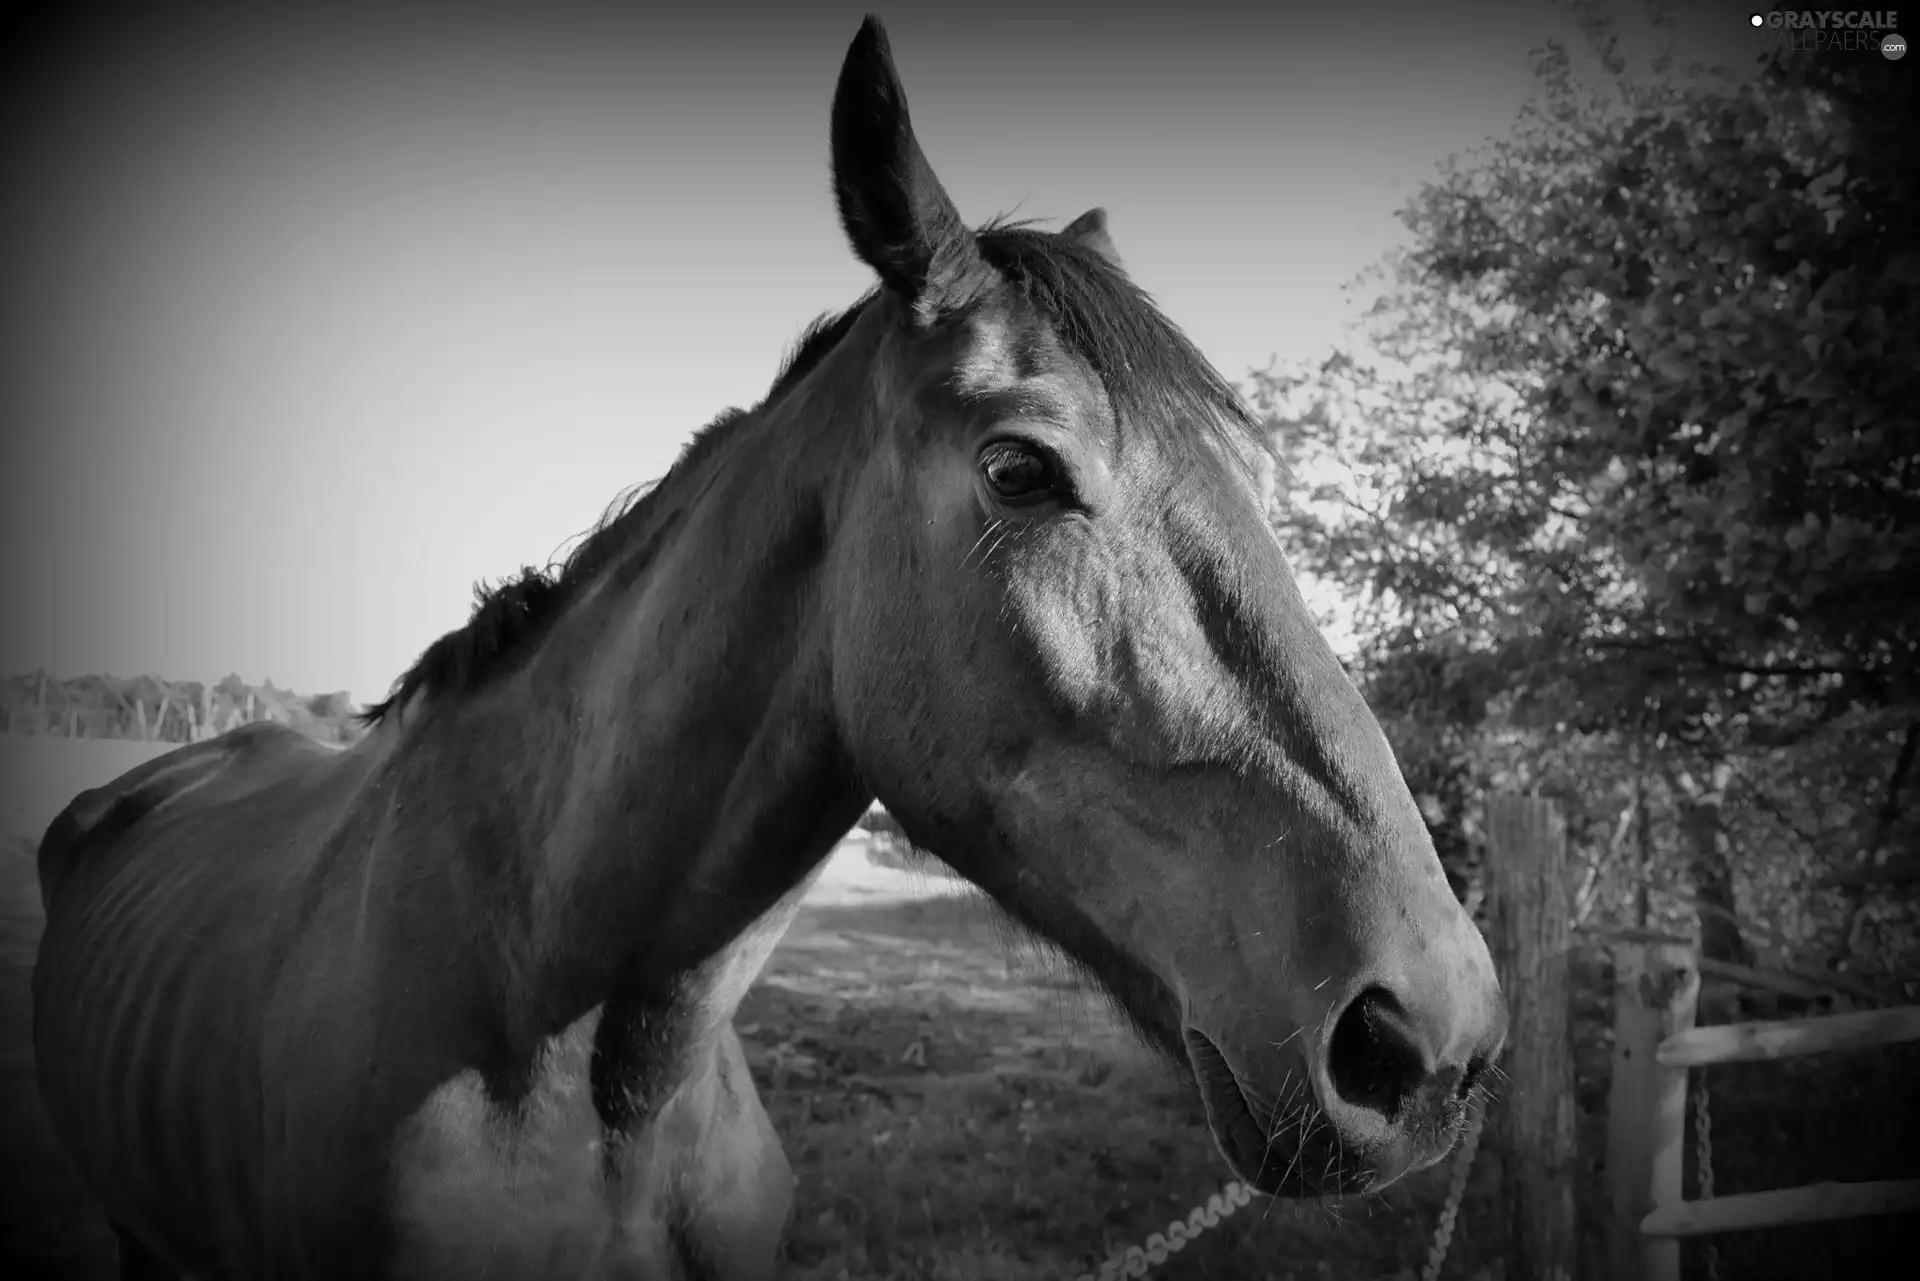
<point x="1016" y="471"/>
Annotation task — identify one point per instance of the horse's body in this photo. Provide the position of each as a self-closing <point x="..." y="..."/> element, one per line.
<point x="224" y="881"/>
<point x="457" y="1001"/>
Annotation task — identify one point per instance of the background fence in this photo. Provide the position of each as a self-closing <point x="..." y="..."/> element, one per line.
<point x="1655" y="1046"/>
<point x="1649" y="1102"/>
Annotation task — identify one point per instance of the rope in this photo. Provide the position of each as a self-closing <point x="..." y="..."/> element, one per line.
<point x="1703" y="1164"/>
<point x="1135" y="1260"/>
<point x="1456" y="1192"/>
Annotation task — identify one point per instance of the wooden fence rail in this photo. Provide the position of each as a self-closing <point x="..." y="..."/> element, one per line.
<point x="1757" y="1042"/>
<point x="1655" y="1046"/>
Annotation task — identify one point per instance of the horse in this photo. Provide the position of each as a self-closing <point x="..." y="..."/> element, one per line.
<point x="992" y="550"/>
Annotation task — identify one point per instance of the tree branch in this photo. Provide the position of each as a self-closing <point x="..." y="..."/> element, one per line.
<point x="1893" y="872"/>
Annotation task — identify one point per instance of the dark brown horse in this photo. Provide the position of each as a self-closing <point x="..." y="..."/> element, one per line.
<point x="457" y="1000"/>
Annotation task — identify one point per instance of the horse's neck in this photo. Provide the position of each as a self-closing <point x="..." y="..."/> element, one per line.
<point x="661" y="772"/>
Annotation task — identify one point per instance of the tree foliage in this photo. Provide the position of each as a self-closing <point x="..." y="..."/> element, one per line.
<point x="1633" y="468"/>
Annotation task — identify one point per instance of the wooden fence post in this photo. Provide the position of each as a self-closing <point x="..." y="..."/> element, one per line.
<point x="1527" y="888"/>
<point x="1656" y="990"/>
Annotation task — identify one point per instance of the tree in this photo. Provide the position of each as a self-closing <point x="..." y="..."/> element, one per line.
<point x="1636" y="457"/>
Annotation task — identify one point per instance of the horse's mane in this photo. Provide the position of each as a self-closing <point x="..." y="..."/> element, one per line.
<point x="1161" y="387"/>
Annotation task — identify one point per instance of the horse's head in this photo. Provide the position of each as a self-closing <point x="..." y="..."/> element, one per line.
<point x="1070" y="658"/>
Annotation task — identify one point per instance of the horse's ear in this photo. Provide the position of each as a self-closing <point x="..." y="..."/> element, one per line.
<point x="1090" y="229"/>
<point x="896" y="213"/>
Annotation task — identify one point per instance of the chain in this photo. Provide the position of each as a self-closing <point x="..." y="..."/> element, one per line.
<point x="1135" y="1260"/>
<point x="1703" y="1163"/>
<point x="1456" y="1191"/>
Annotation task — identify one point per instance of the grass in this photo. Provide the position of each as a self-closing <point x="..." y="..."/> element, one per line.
<point x="956" y="1109"/>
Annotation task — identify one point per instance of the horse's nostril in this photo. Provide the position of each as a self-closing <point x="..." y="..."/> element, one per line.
<point x="1372" y="1059"/>
<point x="1476" y="1068"/>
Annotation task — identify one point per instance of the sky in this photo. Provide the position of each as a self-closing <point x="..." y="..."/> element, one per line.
<point x="311" y="322"/>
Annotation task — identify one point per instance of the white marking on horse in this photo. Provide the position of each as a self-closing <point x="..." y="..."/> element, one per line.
<point x="484" y="1192"/>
